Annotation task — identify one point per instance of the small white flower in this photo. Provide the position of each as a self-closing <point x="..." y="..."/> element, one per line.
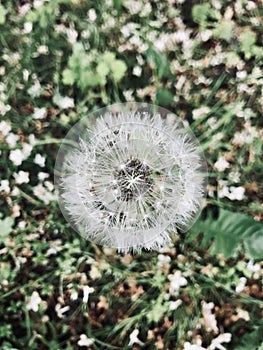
<point x="177" y="281"/>
<point x="86" y="292"/>
<point x="4" y="186"/>
<point x="63" y="102"/>
<point x="21" y="177"/>
<point x="39" y="160"/>
<point x="217" y="342"/>
<point x="43" y="194"/>
<point x="243" y="314"/>
<point x="208" y="317"/>
<point x="163" y="260"/>
<point x="92" y="15"/>
<point x="137" y="70"/>
<point x="33" y="302"/>
<point x="130" y="179"/>
<point x="241" y="285"/>
<point x="16" y="156"/>
<point x="5" y="127"/>
<point x="221" y="164"/>
<point x="35" y="90"/>
<point x="236" y="193"/>
<point x="12" y="139"/>
<point x="85" y="341"/>
<point x="134" y="338"/>
<point x="40" y="113"/>
<point x="28" y="26"/>
<point x="42" y="176"/>
<point x="42" y="50"/>
<point x="4" y="108"/>
<point x="173" y="305"/>
<point x="61" y="310"/>
<point x="16" y="211"/>
<point x="199" y="112"/>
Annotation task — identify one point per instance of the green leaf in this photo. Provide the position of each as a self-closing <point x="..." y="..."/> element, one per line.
<point x="247" y="42"/>
<point x="201" y="12"/>
<point x="118" y="69"/>
<point x="108" y="57"/>
<point x="102" y="69"/>
<point x="2" y="14"/>
<point x="224" y="30"/>
<point x="252" y="340"/>
<point x="88" y="78"/>
<point x="157" y="310"/>
<point x="229" y="231"/>
<point x="68" y="77"/>
<point x="6" y="227"/>
<point x="164" y="97"/>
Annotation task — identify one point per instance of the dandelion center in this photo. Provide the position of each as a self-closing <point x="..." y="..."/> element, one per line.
<point x="134" y="179"/>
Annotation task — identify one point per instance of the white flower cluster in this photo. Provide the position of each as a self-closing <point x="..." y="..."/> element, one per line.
<point x="131" y="179"/>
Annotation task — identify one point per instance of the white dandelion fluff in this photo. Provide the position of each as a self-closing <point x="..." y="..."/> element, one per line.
<point x="128" y="175"/>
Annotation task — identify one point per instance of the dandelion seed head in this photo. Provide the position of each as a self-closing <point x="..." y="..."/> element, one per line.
<point x="129" y="178"/>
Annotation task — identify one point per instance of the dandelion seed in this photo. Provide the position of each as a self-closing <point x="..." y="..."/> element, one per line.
<point x="130" y="177"/>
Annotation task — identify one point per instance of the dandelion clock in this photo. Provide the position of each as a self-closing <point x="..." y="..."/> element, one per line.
<point x="129" y="176"/>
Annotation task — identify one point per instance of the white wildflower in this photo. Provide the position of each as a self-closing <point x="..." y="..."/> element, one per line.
<point x="42" y="176"/>
<point x="86" y="292"/>
<point x="43" y="194"/>
<point x="21" y="177"/>
<point x="35" y="90"/>
<point x="243" y="314"/>
<point x="39" y="160"/>
<point x="234" y="176"/>
<point x="206" y="35"/>
<point x="42" y="50"/>
<point x="208" y="317"/>
<point x="11" y="139"/>
<point x="129" y="178"/>
<point x="63" y="102"/>
<point x="4" y="186"/>
<point x="221" y="164"/>
<point x="33" y="302"/>
<point x="16" y="211"/>
<point x="200" y="112"/>
<point x="5" y="127"/>
<point x="61" y="310"/>
<point x="217" y="342"/>
<point x="236" y="193"/>
<point x="173" y="305"/>
<point x="163" y="260"/>
<point x="40" y="113"/>
<point x="241" y="285"/>
<point x="177" y="281"/>
<point x="16" y="156"/>
<point x="137" y="70"/>
<point x="85" y="341"/>
<point x="4" y="108"/>
<point x="28" y="26"/>
<point x="255" y="268"/>
<point x="134" y="338"/>
<point x="92" y="15"/>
